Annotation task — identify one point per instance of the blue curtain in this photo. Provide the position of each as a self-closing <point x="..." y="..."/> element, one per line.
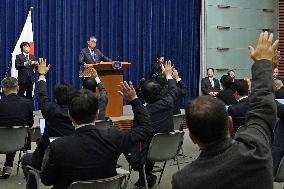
<point x="129" y="30"/>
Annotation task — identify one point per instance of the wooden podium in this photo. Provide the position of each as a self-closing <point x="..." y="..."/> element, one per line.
<point x="111" y="79"/>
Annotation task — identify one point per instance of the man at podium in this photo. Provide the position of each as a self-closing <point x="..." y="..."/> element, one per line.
<point x="91" y="55"/>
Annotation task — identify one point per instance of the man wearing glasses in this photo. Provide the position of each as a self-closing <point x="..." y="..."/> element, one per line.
<point x="91" y="55"/>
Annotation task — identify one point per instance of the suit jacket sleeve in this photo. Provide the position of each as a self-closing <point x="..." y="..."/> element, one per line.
<point x="169" y="100"/>
<point x="217" y="85"/>
<point x="19" y="63"/>
<point x="183" y="88"/>
<point x="81" y="58"/>
<point x="103" y="100"/>
<point x="204" y="87"/>
<point x="261" y="117"/>
<point x="31" y="115"/>
<point x="44" y="101"/>
<point x="49" y="172"/>
<point x="103" y="57"/>
<point x="142" y="129"/>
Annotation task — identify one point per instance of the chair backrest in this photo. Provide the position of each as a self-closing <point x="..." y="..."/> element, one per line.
<point x="165" y="146"/>
<point x="178" y="119"/>
<point x="104" y="124"/>
<point x="12" y="139"/>
<point x="279" y="176"/>
<point x="115" y="182"/>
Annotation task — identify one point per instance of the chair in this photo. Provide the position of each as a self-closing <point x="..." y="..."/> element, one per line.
<point x="163" y="147"/>
<point x="116" y="182"/>
<point x="279" y="176"/>
<point x="104" y="124"/>
<point x="13" y="139"/>
<point x="178" y="120"/>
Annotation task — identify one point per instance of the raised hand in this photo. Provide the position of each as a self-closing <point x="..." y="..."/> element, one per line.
<point x="175" y="74"/>
<point x="42" y="68"/>
<point x="168" y="68"/>
<point x="265" y="49"/>
<point x="127" y="91"/>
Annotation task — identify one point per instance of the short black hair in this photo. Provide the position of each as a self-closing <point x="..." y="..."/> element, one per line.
<point x="159" y="56"/>
<point x="23" y="44"/>
<point x="151" y="91"/>
<point x="63" y="93"/>
<point x="90" y="83"/>
<point x="206" y="118"/>
<point x="9" y="83"/>
<point x="83" y="106"/>
<point x="90" y="37"/>
<point x="226" y="81"/>
<point x="210" y="69"/>
<point x="241" y="87"/>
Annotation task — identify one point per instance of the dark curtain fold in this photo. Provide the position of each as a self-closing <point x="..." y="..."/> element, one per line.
<point x="129" y="30"/>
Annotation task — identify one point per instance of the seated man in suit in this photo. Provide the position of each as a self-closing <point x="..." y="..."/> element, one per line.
<point x="91" y="55"/>
<point x="278" y="89"/>
<point x="58" y="123"/>
<point x="160" y="107"/>
<point x="226" y="95"/>
<point x="238" y="111"/>
<point x="92" y="83"/>
<point x="92" y="152"/>
<point x="14" y="111"/>
<point x="232" y="74"/>
<point x="242" y="162"/>
<point x="25" y="64"/>
<point x="210" y="85"/>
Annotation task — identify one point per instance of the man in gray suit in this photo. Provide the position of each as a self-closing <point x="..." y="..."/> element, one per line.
<point x="91" y="55"/>
<point x="242" y="162"/>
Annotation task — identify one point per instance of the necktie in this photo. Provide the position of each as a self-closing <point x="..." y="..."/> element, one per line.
<point x="27" y="57"/>
<point x="93" y="54"/>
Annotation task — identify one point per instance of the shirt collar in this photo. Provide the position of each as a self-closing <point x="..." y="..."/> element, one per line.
<point x="243" y="97"/>
<point x="83" y="125"/>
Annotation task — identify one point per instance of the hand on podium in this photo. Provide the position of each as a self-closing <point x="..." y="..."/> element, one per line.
<point x="127" y="91"/>
<point x="93" y="72"/>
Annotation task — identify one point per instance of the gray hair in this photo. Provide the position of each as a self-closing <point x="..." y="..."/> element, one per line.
<point x="9" y="83"/>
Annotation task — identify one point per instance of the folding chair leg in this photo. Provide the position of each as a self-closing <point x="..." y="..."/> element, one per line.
<point x="18" y="166"/>
<point x="145" y="177"/>
<point x="178" y="163"/>
<point x="162" y="172"/>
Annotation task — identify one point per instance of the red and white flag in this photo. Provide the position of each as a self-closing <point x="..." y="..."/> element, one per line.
<point x="26" y="35"/>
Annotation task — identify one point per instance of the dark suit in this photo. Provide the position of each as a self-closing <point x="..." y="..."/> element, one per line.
<point x="25" y="75"/>
<point x="183" y="92"/>
<point x="15" y="111"/>
<point x="85" y="57"/>
<point x="156" y="69"/>
<point x="103" y="100"/>
<point x="58" y="124"/>
<point x="92" y="152"/>
<point x="227" y="96"/>
<point x="280" y="93"/>
<point x="244" y="162"/>
<point x="278" y="139"/>
<point x="238" y="112"/>
<point x="206" y="86"/>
